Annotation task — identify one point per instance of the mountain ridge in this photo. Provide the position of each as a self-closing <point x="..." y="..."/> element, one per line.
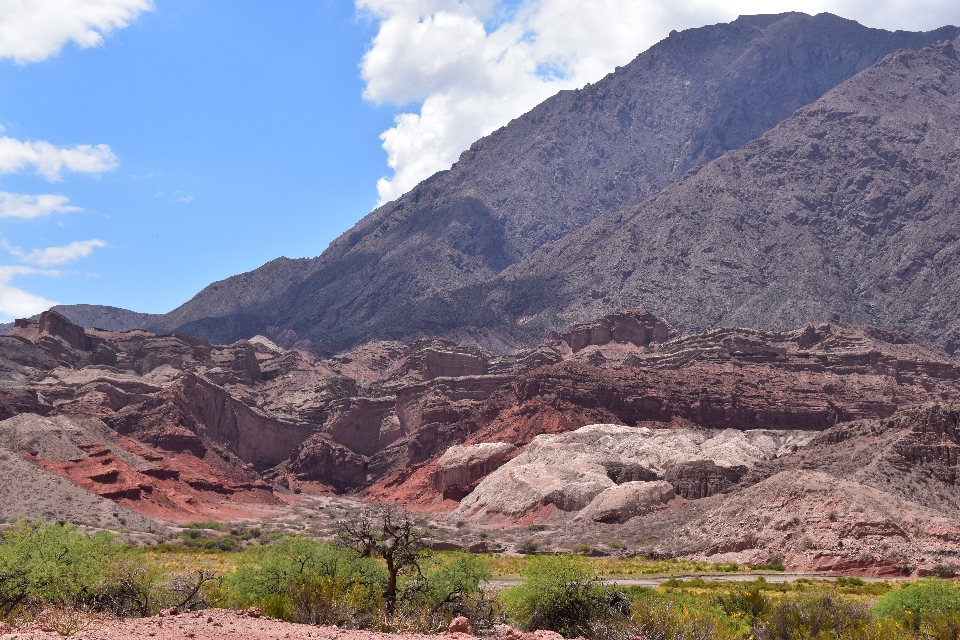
<point x="846" y="209"/>
<point x="579" y="155"/>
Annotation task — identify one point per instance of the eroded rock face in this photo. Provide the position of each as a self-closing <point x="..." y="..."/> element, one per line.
<point x="702" y="478"/>
<point x="460" y="468"/>
<point x="634" y="326"/>
<point x="873" y="497"/>
<point x="322" y="460"/>
<point x="737" y="379"/>
<point x="382" y="418"/>
<point x="568" y="472"/>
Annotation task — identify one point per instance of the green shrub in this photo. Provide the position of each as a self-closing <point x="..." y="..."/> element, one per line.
<point x="919" y="601"/>
<point x="849" y="582"/>
<point x="562" y="594"/>
<point x="658" y="616"/>
<point x="298" y="580"/>
<point x="56" y="564"/>
<point x="450" y="586"/>
<point x="747" y="602"/>
<point x="812" y="615"/>
<point x="209" y="524"/>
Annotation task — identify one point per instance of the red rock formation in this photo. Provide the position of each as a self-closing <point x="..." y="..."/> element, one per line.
<point x="381" y="416"/>
<point x="811" y="378"/>
<point x="634" y="326"/>
<point x="178" y="486"/>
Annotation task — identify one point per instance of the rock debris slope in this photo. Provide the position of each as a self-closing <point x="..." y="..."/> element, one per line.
<point x="581" y="154"/>
<point x="878" y="495"/>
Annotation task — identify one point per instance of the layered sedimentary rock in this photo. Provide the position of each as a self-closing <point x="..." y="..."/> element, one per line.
<point x="176" y="427"/>
<point x="460" y="468"/>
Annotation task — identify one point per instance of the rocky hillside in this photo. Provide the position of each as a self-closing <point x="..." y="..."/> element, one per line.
<point x="847" y="209"/>
<point x="578" y="156"/>
<point x="730" y="444"/>
<point x="170" y="425"/>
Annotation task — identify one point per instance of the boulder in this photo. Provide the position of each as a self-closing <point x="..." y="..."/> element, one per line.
<point x="619" y="504"/>
<point x="460" y="624"/>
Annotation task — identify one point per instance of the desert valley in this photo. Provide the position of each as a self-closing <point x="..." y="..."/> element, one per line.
<point x="704" y="309"/>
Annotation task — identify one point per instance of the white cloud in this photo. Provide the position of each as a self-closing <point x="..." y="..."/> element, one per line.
<point x="473" y="65"/>
<point x="19" y="205"/>
<point x="182" y="196"/>
<point x="50" y="160"/>
<point x="52" y="256"/>
<point x="17" y="302"/>
<point x="33" y="30"/>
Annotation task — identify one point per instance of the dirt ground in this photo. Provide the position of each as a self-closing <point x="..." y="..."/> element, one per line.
<point x="212" y="623"/>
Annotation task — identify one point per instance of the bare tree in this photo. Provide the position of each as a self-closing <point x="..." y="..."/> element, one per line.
<point x="390" y="534"/>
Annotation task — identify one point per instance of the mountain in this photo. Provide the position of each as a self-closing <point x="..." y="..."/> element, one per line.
<point x="849" y="209"/>
<point x="578" y="156"/>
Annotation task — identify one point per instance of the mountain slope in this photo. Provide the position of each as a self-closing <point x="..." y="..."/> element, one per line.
<point x="577" y="156"/>
<point x="850" y="208"/>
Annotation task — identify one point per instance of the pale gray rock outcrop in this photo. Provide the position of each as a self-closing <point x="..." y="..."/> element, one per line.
<point x="572" y="470"/>
<point x="620" y="503"/>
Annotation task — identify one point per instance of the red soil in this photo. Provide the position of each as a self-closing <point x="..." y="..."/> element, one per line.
<point x="177" y="486"/>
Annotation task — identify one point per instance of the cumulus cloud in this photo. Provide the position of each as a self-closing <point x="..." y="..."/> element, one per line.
<point x="19" y="205"/>
<point x="17" y="302"/>
<point x="52" y="256"/>
<point x="470" y="66"/>
<point x="50" y="160"/>
<point x="33" y="30"/>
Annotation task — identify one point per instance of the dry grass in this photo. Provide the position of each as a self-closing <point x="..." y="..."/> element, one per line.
<point x="64" y="619"/>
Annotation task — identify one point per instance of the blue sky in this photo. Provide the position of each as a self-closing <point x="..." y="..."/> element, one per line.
<point x="240" y="135"/>
<point x="223" y="135"/>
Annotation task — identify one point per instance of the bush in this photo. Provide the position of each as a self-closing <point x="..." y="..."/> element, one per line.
<point x="563" y="594"/>
<point x="919" y="601"/>
<point x="747" y="602"/>
<point x="55" y="564"/>
<point x="298" y="580"/>
<point x="453" y="587"/>
<point x="658" y="617"/>
<point x="811" y="616"/>
<point x="210" y="524"/>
